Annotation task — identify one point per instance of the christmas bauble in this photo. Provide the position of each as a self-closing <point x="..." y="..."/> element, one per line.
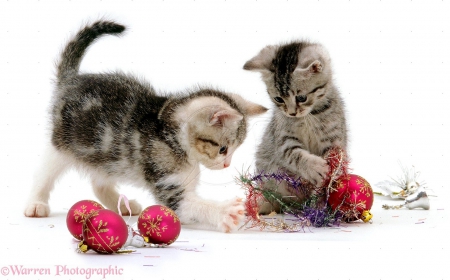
<point x="104" y="231"/>
<point x="353" y="196"/>
<point x="159" y="224"/>
<point x="76" y="215"/>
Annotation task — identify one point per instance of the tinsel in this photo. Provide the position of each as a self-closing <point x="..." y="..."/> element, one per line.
<point x="338" y="167"/>
<point x="302" y="213"/>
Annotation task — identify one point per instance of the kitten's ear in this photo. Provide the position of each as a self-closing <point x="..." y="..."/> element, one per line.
<point x="221" y="117"/>
<point x="263" y="61"/>
<point x="250" y="109"/>
<point x="305" y="73"/>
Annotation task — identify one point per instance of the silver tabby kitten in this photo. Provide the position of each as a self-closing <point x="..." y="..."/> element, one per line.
<point x="309" y="117"/>
<point x="116" y="128"/>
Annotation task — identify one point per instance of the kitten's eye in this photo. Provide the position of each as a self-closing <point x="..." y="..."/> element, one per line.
<point x="278" y="99"/>
<point x="300" y="98"/>
<point x="223" y="150"/>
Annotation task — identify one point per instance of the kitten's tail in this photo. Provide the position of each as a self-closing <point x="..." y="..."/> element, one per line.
<point x="73" y="53"/>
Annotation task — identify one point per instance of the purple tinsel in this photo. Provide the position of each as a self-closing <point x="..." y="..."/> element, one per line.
<point x="295" y="184"/>
<point x="319" y="217"/>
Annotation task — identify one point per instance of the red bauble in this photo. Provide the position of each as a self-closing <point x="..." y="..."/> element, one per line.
<point x="77" y="214"/>
<point x="159" y="224"/>
<point x="104" y="231"/>
<point x="353" y="196"/>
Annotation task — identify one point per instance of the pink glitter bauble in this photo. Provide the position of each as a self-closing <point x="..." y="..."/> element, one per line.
<point x="77" y="214"/>
<point x="353" y="195"/>
<point x="105" y="231"/>
<point x="159" y="224"/>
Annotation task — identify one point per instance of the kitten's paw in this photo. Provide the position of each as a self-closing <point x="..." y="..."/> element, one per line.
<point x="232" y="213"/>
<point x="37" y="209"/>
<point x="265" y="208"/>
<point x="135" y="207"/>
<point x="317" y="170"/>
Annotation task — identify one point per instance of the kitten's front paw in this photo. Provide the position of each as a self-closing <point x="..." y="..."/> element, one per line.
<point x="232" y="213"/>
<point x="37" y="209"/>
<point x="265" y="207"/>
<point x="135" y="207"/>
<point x="317" y="170"/>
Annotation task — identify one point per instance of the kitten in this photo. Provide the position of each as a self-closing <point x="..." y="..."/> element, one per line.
<point x="309" y="115"/>
<point x="116" y="128"/>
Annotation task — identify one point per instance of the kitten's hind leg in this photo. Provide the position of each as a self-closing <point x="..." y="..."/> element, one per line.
<point x="54" y="164"/>
<point x="106" y="191"/>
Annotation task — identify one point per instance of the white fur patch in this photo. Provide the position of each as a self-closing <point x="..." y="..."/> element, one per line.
<point x="86" y="151"/>
<point x="107" y="138"/>
<point x="197" y="106"/>
<point x="93" y="102"/>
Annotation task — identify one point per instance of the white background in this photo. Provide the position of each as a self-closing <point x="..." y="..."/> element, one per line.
<point x="391" y="62"/>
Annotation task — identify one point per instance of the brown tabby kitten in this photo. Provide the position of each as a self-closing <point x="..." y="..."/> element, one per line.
<point x="116" y="128"/>
<point x="309" y="115"/>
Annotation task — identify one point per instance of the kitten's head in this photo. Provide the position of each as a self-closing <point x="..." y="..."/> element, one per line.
<point x="296" y="75"/>
<point x="212" y="128"/>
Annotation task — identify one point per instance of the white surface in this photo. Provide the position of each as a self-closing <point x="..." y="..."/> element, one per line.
<point x="391" y="62"/>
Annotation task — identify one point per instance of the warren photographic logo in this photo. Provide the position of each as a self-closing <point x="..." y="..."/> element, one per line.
<point x="61" y="270"/>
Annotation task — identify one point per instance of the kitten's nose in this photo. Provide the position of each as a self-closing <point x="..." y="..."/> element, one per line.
<point x="292" y="114"/>
<point x="225" y="165"/>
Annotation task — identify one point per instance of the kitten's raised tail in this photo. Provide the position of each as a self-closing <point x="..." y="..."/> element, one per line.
<point x="75" y="49"/>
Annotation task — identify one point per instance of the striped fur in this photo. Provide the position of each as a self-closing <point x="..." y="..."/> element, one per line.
<point x="118" y="129"/>
<point x="309" y="116"/>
